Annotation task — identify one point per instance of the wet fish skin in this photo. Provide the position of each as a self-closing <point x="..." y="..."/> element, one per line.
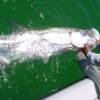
<point x="28" y="44"/>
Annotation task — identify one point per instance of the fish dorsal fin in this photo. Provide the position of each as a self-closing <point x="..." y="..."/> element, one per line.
<point x="15" y="26"/>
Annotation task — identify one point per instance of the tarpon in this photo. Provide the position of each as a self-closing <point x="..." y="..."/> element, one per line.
<point x="28" y="43"/>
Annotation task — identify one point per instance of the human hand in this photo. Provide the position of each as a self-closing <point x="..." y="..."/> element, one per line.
<point x="86" y="48"/>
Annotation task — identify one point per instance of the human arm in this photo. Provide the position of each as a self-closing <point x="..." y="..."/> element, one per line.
<point x="82" y="60"/>
<point x="93" y="57"/>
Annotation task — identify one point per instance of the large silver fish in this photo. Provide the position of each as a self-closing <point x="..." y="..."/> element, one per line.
<point x="27" y="44"/>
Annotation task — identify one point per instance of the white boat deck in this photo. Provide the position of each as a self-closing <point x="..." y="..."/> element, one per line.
<point x="83" y="90"/>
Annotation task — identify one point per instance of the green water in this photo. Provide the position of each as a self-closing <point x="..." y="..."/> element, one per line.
<point x="33" y="79"/>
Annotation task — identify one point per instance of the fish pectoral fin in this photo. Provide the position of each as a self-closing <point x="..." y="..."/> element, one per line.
<point x="4" y="60"/>
<point x="45" y="59"/>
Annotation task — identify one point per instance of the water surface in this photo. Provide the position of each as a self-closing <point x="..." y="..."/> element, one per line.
<point x="33" y="79"/>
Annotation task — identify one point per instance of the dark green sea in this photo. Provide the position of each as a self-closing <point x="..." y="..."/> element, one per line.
<point x="33" y="80"/>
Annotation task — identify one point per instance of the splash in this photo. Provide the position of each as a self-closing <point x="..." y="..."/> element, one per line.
<point x="26" y="44"/>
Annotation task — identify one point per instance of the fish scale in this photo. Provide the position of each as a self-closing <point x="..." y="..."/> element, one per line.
<point x="44" y="43"/>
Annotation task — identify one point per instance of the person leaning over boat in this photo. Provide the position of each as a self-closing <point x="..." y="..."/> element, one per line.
<point x="90" y="63"/>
